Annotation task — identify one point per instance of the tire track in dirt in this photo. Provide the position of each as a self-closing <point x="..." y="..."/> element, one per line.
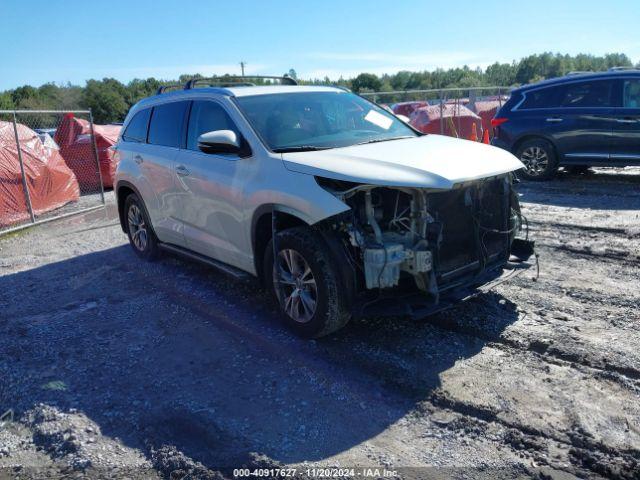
<point x="585" y="454"/>
<point x="548" y="353"/>
<point x="544" y="226"/>
<point x="374" y="370"/>
<point x="303" y="358"/>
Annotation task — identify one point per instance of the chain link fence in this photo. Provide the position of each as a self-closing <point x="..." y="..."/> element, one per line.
<point x="50" y="166"/>
<point x="457" y="112"/>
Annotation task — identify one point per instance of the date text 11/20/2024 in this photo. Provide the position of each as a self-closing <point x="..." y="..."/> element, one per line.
<point x="315" y="472"/>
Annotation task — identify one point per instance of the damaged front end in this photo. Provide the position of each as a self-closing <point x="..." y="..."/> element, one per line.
<point x="416" y="251"/>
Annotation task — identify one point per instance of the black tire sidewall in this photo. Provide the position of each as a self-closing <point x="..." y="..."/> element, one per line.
<point x="151" y="251"/>
<point x="331" y="309"/>
<point x="552" y="166"/>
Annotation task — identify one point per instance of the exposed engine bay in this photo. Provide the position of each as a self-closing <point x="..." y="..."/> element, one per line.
<point x="429" y="240"/>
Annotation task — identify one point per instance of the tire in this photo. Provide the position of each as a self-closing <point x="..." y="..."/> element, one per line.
<point x="300" y="247"/>
<point x="141" y="236"/>
<point x="539" y="158"/>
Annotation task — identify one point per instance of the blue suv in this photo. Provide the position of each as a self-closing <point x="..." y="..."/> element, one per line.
<point x="576" y="121"/>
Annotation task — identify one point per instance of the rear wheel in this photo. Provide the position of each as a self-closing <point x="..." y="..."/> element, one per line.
<point x="141" y="237"/>
<point x="539" y="159"/>
<point x="305" y="283"/>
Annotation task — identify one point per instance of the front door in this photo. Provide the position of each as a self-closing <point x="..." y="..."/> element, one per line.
<point x="626" y="132"/>
<point x="212" y="190"/>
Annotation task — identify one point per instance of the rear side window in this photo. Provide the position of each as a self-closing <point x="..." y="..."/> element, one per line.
<point x="588" y="94"/>
<point x="206" y="117"/>
<point x="631" y="93"/>
<point x="542" y="98"/>
<point x="137" y="129"/>
<point x="166" y="124"/>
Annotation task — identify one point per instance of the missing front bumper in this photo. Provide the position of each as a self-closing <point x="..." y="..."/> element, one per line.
<point x="418" y="305"/>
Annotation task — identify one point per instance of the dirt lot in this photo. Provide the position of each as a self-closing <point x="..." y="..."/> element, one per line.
<point x="111" y="367"/>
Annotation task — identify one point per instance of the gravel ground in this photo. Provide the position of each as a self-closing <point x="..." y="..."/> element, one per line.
<point x="115" y="368"/>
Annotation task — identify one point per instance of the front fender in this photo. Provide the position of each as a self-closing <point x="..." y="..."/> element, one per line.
<point x="302" y="197"/>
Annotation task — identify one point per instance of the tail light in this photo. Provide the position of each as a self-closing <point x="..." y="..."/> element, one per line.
<point x="496" y="122"/>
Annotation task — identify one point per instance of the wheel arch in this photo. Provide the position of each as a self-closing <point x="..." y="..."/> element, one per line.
<point x="534" y="136"/>
<point x="123" y="190"/>
<point x="262" y="229"/>
<point x="261" y="234"/>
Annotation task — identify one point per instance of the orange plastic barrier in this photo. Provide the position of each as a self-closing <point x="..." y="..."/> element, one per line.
<point x="50" y="182"/>
<point x="458" y="120"/>
<point x="407" y="108"/>
<point x="74" y="138"/>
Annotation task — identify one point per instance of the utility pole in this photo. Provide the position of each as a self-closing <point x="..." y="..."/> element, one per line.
<point x="242" y="65"/>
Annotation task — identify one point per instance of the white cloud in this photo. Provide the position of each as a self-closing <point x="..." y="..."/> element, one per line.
<point x="432" y="58"/>
<point x="333" y="65"/>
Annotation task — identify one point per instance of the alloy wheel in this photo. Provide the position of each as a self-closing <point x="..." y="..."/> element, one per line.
<point x="535" y="160"/>
<point x="137" y="228"/>
<point x="295" y="286"/>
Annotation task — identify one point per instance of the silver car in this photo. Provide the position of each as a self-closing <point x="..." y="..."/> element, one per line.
<point x="339" y="207"/>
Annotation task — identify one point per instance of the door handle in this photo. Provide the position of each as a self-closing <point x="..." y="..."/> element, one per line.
<point x="554" y="120"/>
<point x="182" y="170"/>
<point x="626" y="120"/>
<point x="138" y="159"/>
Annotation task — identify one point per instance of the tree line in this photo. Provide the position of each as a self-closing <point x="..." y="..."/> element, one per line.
<point x="110" y="99"/>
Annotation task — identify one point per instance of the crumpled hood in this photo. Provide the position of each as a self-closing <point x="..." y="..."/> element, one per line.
<point x="430" y="161"/>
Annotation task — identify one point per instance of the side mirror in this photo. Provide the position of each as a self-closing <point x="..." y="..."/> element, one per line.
<point x="219" y="141"/>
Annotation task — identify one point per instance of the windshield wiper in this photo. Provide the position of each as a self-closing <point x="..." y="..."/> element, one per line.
<point x="377" y="140"/>
<point x="300" y="148"/>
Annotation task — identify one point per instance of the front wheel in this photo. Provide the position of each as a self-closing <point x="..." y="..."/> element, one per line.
<point x="305" y="282"/>
<point x="539" y="159"/>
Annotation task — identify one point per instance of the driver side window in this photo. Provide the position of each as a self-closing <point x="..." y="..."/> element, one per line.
<point x="205" y="117"/>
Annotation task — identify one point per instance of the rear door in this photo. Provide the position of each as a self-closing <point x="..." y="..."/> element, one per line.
<point x="626" y="131"/>
<point x="537" y="114"/>
<point x="582" y="122"/>
<point x="211" y="189"/>
<point x="157" y="165"/>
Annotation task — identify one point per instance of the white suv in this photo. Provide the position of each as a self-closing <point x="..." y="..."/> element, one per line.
<point x="340" y="208"/>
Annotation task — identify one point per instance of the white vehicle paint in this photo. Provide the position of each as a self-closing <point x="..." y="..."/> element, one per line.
<point x="431" y="161"/>
<point x="216" y="171"/>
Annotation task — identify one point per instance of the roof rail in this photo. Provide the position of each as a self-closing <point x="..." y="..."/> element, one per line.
<point x="237" y="81"/>
<point x="164" y="88"/>
<point x="578" y="72"/>
<point x="622" y="69"/>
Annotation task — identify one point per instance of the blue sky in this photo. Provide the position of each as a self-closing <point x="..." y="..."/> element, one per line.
<point x="60" y="41"/>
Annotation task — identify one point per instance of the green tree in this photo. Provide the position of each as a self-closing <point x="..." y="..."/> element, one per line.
<point x="501" y="74"/>
<point x="110" y="99"/>
<point x="137" y="89"/>
<point x="366" y="82"/>
<point x="22" y="94"/>
<point x="292" y="73"/>
<point x="107" y="100"/>
<point x="6" y="101"/>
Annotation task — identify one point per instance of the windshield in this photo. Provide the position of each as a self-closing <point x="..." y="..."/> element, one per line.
<point x="319" y="120"/>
